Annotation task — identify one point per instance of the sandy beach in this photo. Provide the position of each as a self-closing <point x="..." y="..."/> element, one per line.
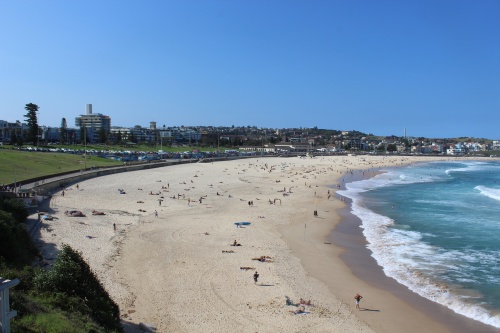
<point x="163" y="249"/>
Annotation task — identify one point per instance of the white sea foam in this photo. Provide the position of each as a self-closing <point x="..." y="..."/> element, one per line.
<point x="406" y="260"/>
<point x="405" y="257"/>
<point x="493" y="193"/>
<point x="389" y="178"/>
<point x="472" y="166"/>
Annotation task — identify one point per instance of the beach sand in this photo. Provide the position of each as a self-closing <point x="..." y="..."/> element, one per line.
<point x="179" y="273"/>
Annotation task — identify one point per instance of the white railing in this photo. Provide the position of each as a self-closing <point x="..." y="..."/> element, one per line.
<point x="5" y="313"/>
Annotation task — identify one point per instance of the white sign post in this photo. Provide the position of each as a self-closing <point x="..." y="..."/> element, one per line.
<point x="5" y="314"/>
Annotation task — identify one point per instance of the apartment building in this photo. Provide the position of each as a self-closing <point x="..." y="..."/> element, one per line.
<point x="93" y="122"/>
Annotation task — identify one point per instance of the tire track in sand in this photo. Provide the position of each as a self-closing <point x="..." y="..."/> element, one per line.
<point x="208" y="288"/>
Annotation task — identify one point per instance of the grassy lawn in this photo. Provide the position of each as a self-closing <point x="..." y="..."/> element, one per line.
<point x="21" y="165"/>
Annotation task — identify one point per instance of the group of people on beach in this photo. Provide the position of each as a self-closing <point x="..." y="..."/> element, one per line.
<point x="301" y="306"/>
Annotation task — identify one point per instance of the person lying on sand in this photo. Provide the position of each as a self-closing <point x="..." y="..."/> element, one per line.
<point x="261" y="258"/>
<point x="224" y="251"/>
<point x="289" y="302"/>
<point x="304" y="302"/>
<point x="74" y="213"/>
<point x="246" y="268"/>
<point x="95" y="212"/>
<point x="300" y="310"/>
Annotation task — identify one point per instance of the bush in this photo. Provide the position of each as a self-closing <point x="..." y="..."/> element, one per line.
<point x="72" y="276"/>
<point x="16" y="208"/>
<point x="16" y="246"/>
<point x="55" y="313"/>
<point x="25" y="276"/>
<point x="69" y="298"/>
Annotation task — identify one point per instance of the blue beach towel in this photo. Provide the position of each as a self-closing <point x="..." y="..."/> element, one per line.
<point x="242" y="223"/>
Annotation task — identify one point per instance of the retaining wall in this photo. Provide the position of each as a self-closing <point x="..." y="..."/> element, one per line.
<point x="48" y="186"/>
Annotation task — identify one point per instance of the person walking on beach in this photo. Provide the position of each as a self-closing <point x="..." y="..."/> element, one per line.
<point x="358" y="298"/>
<point x="156" y="213"/>
<point x="256" y="277"/>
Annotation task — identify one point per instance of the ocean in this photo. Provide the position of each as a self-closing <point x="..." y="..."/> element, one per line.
<point x="435" y="228"/>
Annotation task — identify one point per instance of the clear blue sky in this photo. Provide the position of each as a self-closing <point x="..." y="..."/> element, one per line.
<point x="430" y="66"/>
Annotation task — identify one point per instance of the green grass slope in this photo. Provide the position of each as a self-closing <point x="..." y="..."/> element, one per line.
<point x="22" y="165"/>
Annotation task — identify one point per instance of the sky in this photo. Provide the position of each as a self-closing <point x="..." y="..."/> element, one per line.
<point x="431" y="67"/>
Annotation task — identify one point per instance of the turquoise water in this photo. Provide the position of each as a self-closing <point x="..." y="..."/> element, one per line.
<point x="435" y="228"/>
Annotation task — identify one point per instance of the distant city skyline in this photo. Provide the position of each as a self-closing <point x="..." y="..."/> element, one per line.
<point x="430" y="67"/>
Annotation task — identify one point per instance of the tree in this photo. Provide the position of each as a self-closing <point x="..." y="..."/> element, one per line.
<point x="133" y="137"/>
<point x="21" y="135"/>
<point x="63" y="131"/>
<point x="15" y="243"/>
<point x="84" y="138"/>
<point x="13" y="138"/>
<point x="392" y="147"/>
<point x="103" y="137"/>
<point x="31" y="119"/>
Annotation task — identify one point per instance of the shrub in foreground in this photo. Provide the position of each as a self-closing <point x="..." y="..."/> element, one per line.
<point x="16" y="246"/>
<point x="72" y="276"/>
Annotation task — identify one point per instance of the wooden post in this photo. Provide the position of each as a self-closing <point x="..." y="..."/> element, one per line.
<point x="5" y="314"/>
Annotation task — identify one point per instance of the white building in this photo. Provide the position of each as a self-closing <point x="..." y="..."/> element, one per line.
<point x="93" y="122"/>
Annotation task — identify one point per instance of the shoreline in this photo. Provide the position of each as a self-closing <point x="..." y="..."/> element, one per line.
<point x="364" y="266"/>
<point x="382" y="311"/>
<point x="191" y="285"/>
<point x="409" y="312"/>
<point x="348" y="235"/>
